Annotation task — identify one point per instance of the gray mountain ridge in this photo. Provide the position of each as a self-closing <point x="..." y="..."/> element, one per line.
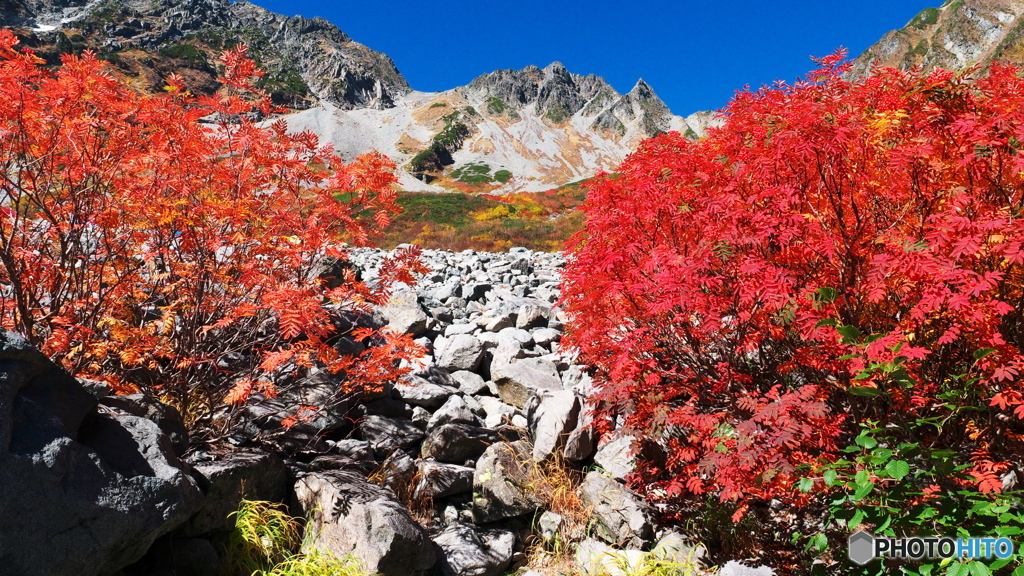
<point x="546" y="126"/>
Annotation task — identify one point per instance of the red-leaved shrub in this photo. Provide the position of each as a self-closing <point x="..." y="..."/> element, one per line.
<point x="839" y="251"/>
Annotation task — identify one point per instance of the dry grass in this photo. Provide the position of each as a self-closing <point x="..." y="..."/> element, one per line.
<point x="403" y="484"/>
<point x="554" y="485"/>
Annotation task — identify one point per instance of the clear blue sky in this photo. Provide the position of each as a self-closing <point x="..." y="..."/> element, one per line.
<point x="695" y="54"/>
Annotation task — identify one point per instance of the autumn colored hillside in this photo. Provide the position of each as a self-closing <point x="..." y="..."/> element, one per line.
<point x="541" y="221"/>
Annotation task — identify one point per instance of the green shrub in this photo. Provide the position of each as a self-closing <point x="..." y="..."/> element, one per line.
<point x="283" y="83"/>
<point x="925" y="18"/>
<point x="425" y="160"/>
<point x="438" y="105"/>
<point x="452" y="135"/>
<point x="498" y="107"/>
<point x="876" y="487"/>
<point x="556" y="114"/>
<point x="502" y="176"/>
<point x="186" y="52"/>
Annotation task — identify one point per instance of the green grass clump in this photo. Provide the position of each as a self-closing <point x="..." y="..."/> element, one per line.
<point x="316" y="563"/>
<point x="473" y="174"/>
<point x="447" y="209"/>
<point x="264" y="536"/>
<point x="266" y="542"/>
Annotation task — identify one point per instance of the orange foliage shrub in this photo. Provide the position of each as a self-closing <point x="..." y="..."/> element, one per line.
<point x="171" y="242"/>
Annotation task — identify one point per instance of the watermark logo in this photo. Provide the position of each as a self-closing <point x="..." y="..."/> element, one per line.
<point x="863" y="547"/>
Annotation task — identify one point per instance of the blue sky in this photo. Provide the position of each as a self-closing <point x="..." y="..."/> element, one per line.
<point x="694" y="54"/>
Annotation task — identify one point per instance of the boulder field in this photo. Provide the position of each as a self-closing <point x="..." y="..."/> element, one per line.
<point x="446" y="472"/>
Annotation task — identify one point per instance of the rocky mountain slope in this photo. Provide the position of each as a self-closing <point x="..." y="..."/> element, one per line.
<point x="954" y="36"/>
<point x="510" y="130"/>
<point x="307" y="60"/>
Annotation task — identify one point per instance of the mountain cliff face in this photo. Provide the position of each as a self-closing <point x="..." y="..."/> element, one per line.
<point x="954" y="36"/>
<point x="307" y="60"/>
<point x="510" y="130"/>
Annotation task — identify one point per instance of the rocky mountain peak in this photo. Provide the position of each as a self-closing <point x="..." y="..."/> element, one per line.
<point x="642" y="90"/>
<point x="956" y="35"/>
<point x="307" y="60"/>
<point x="555" y="68"/>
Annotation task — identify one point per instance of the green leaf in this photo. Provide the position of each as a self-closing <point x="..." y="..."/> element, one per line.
<point x="1019" y="571"/>
<point x="897" y="469"/>
<point x="979" y="569"/>
<point x="830" y="477"/>
<point x="826" y="322"/>
<point x="863" y="490"/>
<point x="982" y="352"/>
<point x="855" y="521"/>
<point x="805" y="485"/>
<point x="848" y="331"/>
<point x="866" y="442"/>
<point x="958" y="569"/>
<point x="826" y="294"/>
<point x="881" y="529"/>
<point x="863" y="391"/>
<point x="999" y="564"/>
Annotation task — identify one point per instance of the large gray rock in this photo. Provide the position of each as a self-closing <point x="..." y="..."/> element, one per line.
<point x="470" y="383"/>
<point x="384" y="434"/>
<point x="521" y="379"/>
<point x="546" y="336"/>
<point x="166" y="417"/>
<point x="437" y="480"/>
<point x="348" y="515"/>
<point x="498" y="412"/>
<point x="555" y="418"/>
<point x="454" y="411"/>
<point x="178" y="557"/>
<point x="29" y="376"/>
<point x="230" y="479"/>
<point x="616" y="457"/>
<point x="470" y="551"/>
<point x="580" y="444"/>
<point x="460" y="352"/>
<point x="621" y="516"/>
<point x="419" y="391"/>
<point x="458" y="442"/>
<point x="499" y="483"/>
<point x="531" y="316"/>
<point x="734" y="568"/>
<point x="404" y="313"/>
<point x="81" y="492"/>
